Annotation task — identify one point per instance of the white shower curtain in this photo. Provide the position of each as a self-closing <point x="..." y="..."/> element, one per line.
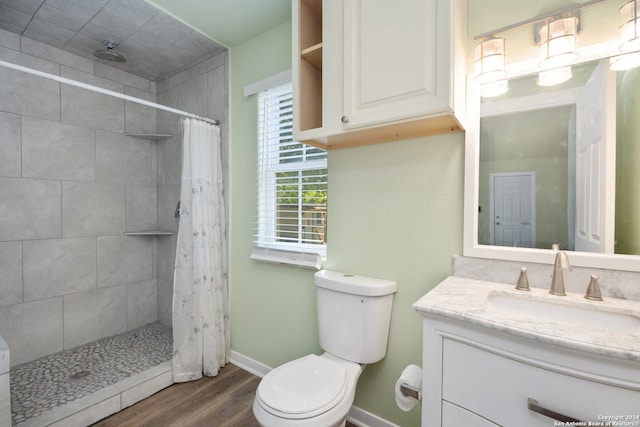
<point x="200" y="296"/>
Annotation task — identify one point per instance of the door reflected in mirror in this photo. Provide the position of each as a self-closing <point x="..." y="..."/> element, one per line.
<point x="561" y="164"/>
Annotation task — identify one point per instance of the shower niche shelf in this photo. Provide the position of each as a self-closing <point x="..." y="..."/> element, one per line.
<point x="151" y="136"/>
<point x="149" y="233"/>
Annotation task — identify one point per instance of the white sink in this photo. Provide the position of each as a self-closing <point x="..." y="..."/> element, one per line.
<point x="553" y="309"/>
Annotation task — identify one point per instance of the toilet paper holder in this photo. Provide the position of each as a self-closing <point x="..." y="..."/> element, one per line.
<point x="410" y="391"/>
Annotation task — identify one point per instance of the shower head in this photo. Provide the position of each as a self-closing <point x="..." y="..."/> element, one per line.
<point x="109" y="54"/>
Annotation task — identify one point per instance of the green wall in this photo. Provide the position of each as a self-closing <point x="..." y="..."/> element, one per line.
<point x="272" y="306"/>
<point x="395" y="212"/>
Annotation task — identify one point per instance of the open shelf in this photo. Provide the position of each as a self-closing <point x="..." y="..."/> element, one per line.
<point x="151" y="136"/>
<point x="149" y="233"/>
<point x="313" y="55"/>
<point x="310" y="64"/>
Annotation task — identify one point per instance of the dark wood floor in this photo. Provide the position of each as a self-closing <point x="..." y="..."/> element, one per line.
<point x="222" y="401"/>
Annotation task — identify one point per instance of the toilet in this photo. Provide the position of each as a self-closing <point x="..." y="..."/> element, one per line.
<point x="354" y="313"/>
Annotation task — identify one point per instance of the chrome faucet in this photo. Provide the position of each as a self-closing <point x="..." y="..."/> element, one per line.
<point x="557" y="279"/>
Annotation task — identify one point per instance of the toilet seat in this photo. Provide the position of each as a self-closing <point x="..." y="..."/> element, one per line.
<point x="303" y="388"/>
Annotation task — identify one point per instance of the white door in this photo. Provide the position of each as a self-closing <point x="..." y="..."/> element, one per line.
<point x="513" y="209"/>
<point x="595" y="162"/>
<point x="397" y="59"/>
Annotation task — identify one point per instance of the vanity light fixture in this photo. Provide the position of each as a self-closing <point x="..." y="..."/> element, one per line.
<point x="555" y="76"/>
<point x="493" y="89"/>
<point x="558" y="41"/>
<point x="630" y="26"/>
<point x="489" y="65"/>
<point x="625" y="62"/>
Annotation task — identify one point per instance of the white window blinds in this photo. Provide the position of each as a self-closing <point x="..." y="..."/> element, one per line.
<point x="292" y="184"/>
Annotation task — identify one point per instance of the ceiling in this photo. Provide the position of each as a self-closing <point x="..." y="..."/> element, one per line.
<point x="154" y="43"/>
<point x="229" y="22"/>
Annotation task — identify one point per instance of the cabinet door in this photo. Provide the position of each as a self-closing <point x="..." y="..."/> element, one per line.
<point x="498" y="388"/>
<point x="455" y="416"/>
<point x="397" y="60"/>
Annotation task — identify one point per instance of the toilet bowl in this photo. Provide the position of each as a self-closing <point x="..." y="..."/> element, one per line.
<point x="354" y="314"/>
<point x="312" y="391"/>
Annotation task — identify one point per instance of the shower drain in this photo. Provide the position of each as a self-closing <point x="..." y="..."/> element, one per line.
<point x="79" y="375"/>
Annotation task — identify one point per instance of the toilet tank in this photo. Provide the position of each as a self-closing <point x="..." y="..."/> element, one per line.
<point x="354" y="313"/>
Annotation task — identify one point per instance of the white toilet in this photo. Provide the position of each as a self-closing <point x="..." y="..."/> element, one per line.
<point x="353" y="325"/>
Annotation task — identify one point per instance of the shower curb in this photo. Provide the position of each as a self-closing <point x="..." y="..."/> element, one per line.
<point x="107" y="401"/>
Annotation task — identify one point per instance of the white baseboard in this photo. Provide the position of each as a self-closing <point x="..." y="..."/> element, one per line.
<point x="250" y="365"/>
<point x="357" y="416"/>
<point x="363" y="418"/>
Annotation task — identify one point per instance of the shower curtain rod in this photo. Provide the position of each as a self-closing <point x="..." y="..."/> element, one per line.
<point x="106" y="92"/>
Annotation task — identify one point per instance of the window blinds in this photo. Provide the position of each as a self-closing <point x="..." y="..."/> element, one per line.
<point x="292" y="181"/>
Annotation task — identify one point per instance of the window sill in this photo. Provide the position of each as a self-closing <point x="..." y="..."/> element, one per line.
<point x="299" y="259"/>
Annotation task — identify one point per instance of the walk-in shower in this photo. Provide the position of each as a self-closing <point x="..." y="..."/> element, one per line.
<point x="89" y="183"/>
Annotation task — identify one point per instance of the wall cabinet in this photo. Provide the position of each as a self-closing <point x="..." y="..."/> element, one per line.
<point x="366" y="72"/>
<point x="479" y="377"/>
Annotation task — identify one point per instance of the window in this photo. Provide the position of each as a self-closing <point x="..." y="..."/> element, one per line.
<point x="292" y="186"/>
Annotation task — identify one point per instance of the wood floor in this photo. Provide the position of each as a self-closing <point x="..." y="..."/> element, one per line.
<point x="222" y="401"/>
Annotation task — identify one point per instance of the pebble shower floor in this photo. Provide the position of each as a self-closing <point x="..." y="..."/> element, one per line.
<point x="55" y="380"/>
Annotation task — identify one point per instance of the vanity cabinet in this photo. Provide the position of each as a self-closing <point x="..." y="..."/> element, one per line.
<point x="473" y="376"/>
<point x="366" y="72"/>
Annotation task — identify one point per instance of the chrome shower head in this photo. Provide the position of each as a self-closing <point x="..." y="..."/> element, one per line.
<point x="109" y="54"/>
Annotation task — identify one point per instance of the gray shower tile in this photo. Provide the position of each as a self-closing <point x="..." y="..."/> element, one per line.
<point x="13" y="20"/>
<point x="170" y="161"/>
<point x="124" y="259"/>
<point x="142" y="208"/>
<point x="30" y="209"/>
<point x="84" y="46"/>
<point x="70" y="14"/>
<point x="124" y="17"/>
<point x="30" y="61"/>
<point x="123" y="159"/>
<point x="85" y="108"/>
<point x="190" y="95"/>
<point x="92" y="315"/>
<point x="57" y="151"/>
<point x="32" y="330"/>
<point x="139" y="118"/>
<point x="91" y="109"/>
<point x="26" y="6"/>
<point x="59" y="56"/>
<point x="10" y="273"/>
<point x="27" y="94"/>
<point x="168" y="123"/>
<point x="165" y="302"/>
<point x="92" y="209"/>
<point x="168" y="198"/>
<point x="46" y="32"/>
<point x="9" y="39"/>
<point x="9" y="144"/>
<point x="58" y="267"/>
<point x="216" y="97"/>
<point x="129" y="79"/>
<point x="142" y="303"/>
<point x="167" y="256"/>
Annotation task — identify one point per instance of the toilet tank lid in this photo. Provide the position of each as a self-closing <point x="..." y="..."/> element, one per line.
<point x="352" y="284"/>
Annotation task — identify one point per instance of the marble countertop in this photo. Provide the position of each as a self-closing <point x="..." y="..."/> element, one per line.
<point x="469" y="300"/>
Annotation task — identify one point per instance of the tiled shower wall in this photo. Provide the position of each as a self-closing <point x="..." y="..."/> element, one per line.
<point x="71" y="183"/>
<point x="202" y="90"/>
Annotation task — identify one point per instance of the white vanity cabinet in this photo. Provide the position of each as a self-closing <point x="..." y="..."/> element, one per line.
<point x="388" y="70"/>
<point x="481" y="377"/>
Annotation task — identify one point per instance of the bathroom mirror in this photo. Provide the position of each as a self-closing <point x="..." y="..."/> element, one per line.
<point x="559" y="165"/>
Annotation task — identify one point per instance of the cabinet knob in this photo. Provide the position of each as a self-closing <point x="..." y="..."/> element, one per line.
<point x="345" y="119"/>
